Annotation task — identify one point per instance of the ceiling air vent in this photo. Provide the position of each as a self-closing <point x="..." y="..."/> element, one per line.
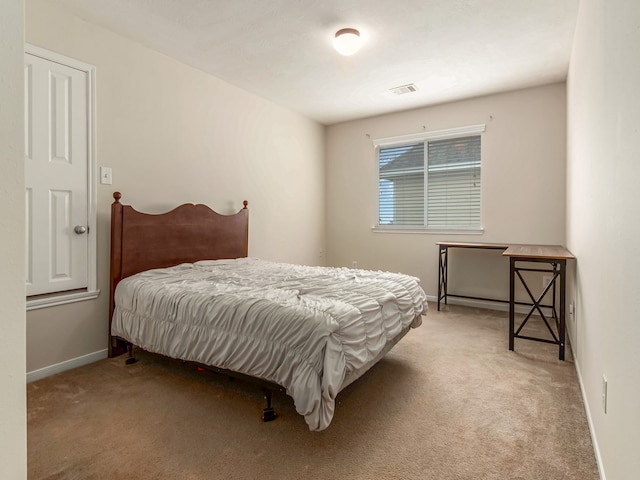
<point x="404" y="89"/>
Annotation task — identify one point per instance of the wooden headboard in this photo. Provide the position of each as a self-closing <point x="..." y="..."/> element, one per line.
<point x="186" y="234"/>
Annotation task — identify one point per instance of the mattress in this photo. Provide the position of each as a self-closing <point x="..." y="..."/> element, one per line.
<point x="309" y="329"/>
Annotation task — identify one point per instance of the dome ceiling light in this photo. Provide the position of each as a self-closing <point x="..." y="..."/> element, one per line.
<point x="347" y="41"/>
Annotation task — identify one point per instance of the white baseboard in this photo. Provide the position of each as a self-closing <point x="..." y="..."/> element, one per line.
<point x="66" y="365"/>
<point x="592" y="432"/>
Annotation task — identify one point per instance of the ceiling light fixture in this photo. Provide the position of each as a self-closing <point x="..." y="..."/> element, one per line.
<point x="347" y="41"/>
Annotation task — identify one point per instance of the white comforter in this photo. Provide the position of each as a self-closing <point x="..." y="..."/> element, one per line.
<point x="304" y="328"/>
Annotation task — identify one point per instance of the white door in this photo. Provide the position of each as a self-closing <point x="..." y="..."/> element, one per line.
<point x="56" y="156"/>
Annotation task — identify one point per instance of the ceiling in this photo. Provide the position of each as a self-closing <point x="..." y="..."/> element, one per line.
<point x="282" y="49"/>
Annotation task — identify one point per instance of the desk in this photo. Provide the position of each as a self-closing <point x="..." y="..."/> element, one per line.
<point x="555" y="256"/>
<point x="443" y="267"/>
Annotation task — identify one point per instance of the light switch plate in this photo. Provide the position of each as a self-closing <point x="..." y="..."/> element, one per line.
<point x="105" y="176"/>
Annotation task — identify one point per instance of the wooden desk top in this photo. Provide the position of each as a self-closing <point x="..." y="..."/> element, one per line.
<point x="516" y="250"/>
<point x="497" y="246"/>
<point x="538" y="251"/>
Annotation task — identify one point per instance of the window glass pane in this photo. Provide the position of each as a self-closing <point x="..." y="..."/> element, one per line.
<point x="401" y="187"/>
<point x="454" y="182"/>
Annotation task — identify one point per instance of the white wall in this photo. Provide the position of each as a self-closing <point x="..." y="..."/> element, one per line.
<point x="523" y="188"/>
<point x="13" y="429"/>
<point x="173" y="134"/>
<point x="603" y="228"/>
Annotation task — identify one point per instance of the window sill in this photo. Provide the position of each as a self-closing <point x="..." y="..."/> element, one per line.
<point x="55" y="299"/>
<point x="428" y="230"/>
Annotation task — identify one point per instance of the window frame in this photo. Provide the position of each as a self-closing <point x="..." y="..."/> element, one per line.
<point x="445" y="134"/>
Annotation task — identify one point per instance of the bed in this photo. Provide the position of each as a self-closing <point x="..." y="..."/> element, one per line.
<point x="183" y="286"/>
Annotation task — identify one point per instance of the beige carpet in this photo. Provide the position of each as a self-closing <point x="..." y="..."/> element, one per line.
<point x="448" y="402"/>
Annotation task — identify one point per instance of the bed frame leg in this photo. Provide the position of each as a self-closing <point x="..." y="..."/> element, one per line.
<point x="268" y="414"/>
<point x="131" y="359"/>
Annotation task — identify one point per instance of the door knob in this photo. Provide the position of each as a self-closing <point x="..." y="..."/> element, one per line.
<point x="80" y="229"/>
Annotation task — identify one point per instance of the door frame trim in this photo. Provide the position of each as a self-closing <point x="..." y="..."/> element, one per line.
<point x="92" y="237"/>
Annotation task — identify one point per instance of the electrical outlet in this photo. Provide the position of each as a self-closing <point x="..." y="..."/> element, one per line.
<point x="354" y="264"/>
<point x="546" y="280"/>
<point x="604" y="394"/>
<point x="572" y="311"/>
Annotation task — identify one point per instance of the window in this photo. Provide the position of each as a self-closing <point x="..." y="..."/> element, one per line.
<point x="431" y="180"/>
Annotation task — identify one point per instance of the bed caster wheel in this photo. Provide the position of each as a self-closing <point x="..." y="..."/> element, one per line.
<point x="130" y="361"/>
<point x="268" y="414"/>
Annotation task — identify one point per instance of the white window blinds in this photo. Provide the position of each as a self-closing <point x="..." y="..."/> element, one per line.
<point x="430" y="182"/>
<point x="453" y="185"/>
<point x="402" y="185"/>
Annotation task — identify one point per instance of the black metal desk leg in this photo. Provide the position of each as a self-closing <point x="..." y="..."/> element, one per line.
<point x="439" y="275"/>
<point x="443" y="263"/>
<point x="512" y="300"/>
<point x="554" y="266"/>
<point x="562" y="326"/>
